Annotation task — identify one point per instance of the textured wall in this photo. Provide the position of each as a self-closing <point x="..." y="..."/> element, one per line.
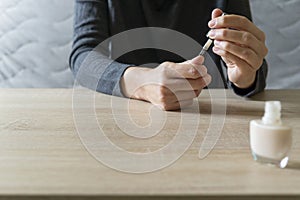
<point x="35" y="41"/>
<point x="281" y="22"/>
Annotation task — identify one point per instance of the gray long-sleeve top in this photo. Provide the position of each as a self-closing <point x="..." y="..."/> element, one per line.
<point x="98" y="20"/>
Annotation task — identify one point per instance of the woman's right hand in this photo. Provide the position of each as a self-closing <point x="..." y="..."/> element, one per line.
<point x="170" y="86"/>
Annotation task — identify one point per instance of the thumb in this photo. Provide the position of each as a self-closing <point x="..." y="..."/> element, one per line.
<point x="197" y="60"/>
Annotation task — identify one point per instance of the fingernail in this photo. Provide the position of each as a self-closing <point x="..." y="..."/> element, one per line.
<point x="211" y="34"/>
<point x="217" y="43"/>
<point x="216" y="49"/>
<point x="197" y="60"/>
<point x="212" y="23"/>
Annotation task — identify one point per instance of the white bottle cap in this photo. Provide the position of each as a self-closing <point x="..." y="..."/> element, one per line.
<point x="272" y="113"/>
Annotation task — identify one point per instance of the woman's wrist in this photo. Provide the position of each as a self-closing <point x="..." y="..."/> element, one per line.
<point x="247" y="82"/>
<point x="132" y="82"/>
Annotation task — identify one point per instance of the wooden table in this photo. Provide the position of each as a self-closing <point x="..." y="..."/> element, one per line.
<point x="42" y="156"/>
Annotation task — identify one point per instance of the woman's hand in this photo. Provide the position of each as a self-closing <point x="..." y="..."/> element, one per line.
<point x="170" y="86"/>
<point x="240" y="44"/>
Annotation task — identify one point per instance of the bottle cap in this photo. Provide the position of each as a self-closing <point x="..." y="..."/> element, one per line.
<point x="272" y="113"/>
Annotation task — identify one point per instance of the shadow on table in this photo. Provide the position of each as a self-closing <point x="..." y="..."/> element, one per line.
<point x="230" y="108"/>
<point x="288" y="96"/>
<point x="295" y="165"/>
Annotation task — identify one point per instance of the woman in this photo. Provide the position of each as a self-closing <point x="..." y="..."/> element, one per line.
<point x="239" y="46"/>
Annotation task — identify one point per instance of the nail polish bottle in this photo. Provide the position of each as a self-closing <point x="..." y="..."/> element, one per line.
<point x="271" y="141"/>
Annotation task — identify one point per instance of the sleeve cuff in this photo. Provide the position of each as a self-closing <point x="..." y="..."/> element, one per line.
<point x="117" y="91"/>
<point x="109" y="82"/>
<point x="244" y="92"/>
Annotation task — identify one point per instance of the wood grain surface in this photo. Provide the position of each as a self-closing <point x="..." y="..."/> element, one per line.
<point x="41" y="155"/>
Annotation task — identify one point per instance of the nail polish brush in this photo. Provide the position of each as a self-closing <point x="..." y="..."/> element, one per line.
<point x="207" y="44"/>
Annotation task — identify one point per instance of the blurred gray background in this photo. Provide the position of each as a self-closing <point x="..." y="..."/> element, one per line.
<point x="36" y="37"/>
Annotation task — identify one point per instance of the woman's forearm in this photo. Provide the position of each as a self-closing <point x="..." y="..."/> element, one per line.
<point x="91" y="65"/>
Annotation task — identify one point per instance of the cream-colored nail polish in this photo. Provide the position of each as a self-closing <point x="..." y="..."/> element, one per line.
<point x="271" y="141"/>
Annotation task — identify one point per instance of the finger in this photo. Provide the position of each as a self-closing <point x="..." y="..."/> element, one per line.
<point x="199" y="60"/>
<point x="202" y="70"/>
<point x="184" y="95"/>
<point x="239" y="23"/>
<point x="184" y="70"/>
<point x="197" y="63"/>
<point x="176" y="105"/>
<point x="244" y="53"/>
<point x="176" y="85"/>
<point x="166" y="99"/>
<point x="233" y="61"/>
<point x="240" y="74"/>
<point x="216" y="13"/>
<point x="240" y="37"/>
<point x="200" y="83"/>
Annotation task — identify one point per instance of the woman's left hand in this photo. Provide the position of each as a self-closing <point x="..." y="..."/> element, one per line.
<point x="240" y="44"/>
